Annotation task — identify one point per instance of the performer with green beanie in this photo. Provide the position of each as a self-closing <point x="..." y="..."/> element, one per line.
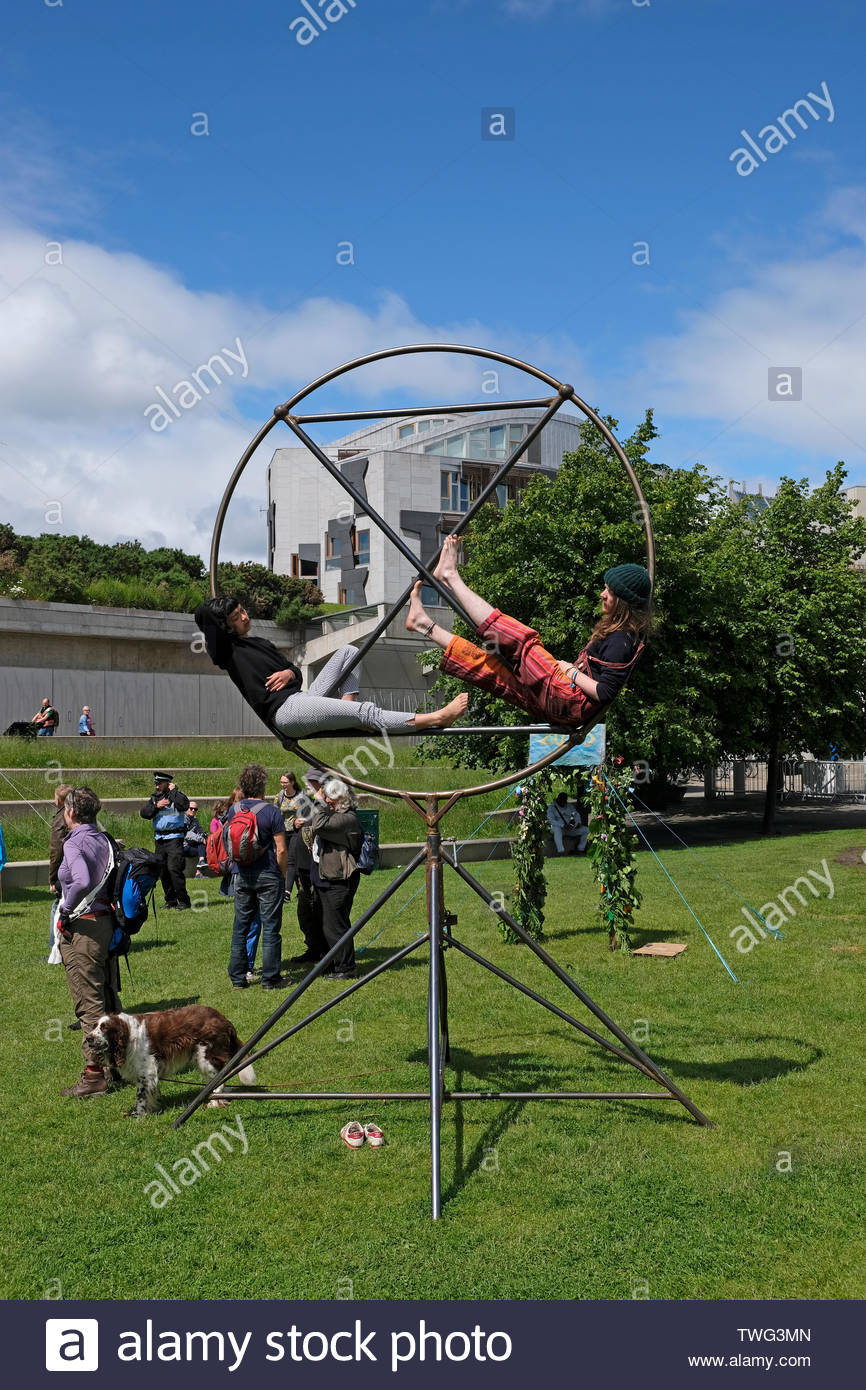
<point x="515" y="666"/>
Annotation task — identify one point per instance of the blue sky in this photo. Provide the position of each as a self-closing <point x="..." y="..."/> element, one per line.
<point x="174" y="245"/>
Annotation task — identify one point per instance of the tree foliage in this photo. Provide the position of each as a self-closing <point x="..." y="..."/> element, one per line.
<point x="760" y="640"/>
<point x="74" y="569"/>
<point x="543" y="559"/>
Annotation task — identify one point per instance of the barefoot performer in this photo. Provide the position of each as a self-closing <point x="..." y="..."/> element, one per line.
<point x="273" y="688"/>
<point x="562" y="692"/>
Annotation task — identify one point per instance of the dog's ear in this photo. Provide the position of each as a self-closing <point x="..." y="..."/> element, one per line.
<point x="117" y="1036"/>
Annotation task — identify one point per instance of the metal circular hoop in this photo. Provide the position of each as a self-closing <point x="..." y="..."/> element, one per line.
<point x="564" y="393"/>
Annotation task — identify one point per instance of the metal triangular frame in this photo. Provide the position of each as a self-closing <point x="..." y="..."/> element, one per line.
<point x="438" y="935"/>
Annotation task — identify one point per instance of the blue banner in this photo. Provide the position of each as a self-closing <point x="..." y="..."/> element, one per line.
<point x="587" y="754"/>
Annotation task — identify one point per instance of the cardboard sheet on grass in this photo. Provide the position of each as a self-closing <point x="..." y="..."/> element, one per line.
<point x="660" y="948"/>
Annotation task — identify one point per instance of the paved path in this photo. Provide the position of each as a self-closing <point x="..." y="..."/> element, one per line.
<point x="729" y="819"/>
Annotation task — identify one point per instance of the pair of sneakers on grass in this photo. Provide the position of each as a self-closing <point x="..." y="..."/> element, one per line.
<point x="354" y="1135"/>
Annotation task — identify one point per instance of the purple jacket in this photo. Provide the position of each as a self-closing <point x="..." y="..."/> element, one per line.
<point x="85" y="858"/>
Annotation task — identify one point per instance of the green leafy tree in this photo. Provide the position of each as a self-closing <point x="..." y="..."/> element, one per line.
<point x="75" y="569"/>
<point x="802" y="670"/>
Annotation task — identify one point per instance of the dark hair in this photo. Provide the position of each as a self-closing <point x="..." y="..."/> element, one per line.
<point x="253" y="780"/>
<point x="220" y="808"/>
<point x="290" y="777"/>
<point x="218" y="609"/>
<point x="84" y="805"/>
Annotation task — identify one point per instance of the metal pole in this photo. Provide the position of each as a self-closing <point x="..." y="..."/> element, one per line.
<point x="434" y="931"/>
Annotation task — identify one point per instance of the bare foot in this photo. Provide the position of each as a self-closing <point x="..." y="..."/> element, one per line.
<point x="446" y="569"/>
<point x="353" y="696"/>
<point x="417" y="619"/>
<point x="443" y="718"/>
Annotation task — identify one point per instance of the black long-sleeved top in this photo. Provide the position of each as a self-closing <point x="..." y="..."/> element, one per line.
<point x="618" y="647"/>
<point x="248" y="661"/>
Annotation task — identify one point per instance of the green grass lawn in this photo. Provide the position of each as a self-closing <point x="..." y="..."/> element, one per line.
<point x="567" y="1200"/>
<point x="27" y="836"/>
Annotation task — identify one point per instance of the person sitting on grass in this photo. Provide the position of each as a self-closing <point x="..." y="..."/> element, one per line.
<point x="566" y="693"/>
<point x="272" y="687"/>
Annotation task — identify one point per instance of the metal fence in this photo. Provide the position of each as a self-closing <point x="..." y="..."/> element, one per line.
<point x="799" y="780"/>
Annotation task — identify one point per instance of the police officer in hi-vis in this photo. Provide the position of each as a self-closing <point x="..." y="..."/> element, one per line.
<point x="167" y="809"/>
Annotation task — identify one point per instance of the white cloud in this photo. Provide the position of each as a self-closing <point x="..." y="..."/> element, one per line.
<point x="803" y="312"/>
<point x="86" y="342"/>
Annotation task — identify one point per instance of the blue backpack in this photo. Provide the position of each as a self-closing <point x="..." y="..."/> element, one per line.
<point x="137" y="873"/>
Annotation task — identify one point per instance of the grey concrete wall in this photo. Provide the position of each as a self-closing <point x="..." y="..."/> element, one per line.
<point x="145" y="674"/>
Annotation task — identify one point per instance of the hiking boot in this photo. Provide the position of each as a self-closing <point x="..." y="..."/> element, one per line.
<point x="306" y="959"/>
<point x="279" y="983"/>
<point x="89" y="1083"/>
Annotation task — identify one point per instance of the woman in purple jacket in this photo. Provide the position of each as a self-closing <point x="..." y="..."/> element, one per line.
<point x="87" y="925"/>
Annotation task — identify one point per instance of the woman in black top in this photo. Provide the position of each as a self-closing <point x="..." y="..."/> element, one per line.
<point x="563" y="692"/>
<point x="272" y="686"/>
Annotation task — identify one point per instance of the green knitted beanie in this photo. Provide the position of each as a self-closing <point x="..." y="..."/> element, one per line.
<point x="630" y="582"/>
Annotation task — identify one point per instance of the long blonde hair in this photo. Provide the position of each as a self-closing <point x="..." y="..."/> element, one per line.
<point x="624" y="617"/>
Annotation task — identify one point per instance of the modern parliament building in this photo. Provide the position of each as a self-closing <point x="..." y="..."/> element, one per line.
<point x="420" y="475"/>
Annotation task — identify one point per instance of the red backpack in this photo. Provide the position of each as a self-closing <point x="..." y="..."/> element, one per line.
<point x="241" y="836"/>
<point x="218" y="859"/>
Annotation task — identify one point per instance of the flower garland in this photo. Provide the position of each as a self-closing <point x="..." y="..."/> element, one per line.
<point x="611" y="847"/>
<point x="530" y="888"/>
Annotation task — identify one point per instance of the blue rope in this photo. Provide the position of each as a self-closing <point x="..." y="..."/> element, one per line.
<point x="667" y="875"/>
<point x="736" y="894"/>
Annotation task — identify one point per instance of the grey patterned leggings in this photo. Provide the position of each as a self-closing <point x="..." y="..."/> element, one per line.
<point x="309" y="712"/>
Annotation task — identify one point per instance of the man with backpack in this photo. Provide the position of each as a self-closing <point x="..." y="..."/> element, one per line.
<point x="254" y="837"/>
<point x="167" y="808"/>
<point x="46" y="718"/>
<point x="86" y="924"/>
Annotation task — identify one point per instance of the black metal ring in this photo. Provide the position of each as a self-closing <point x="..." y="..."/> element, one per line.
<point x="566" y="393"/>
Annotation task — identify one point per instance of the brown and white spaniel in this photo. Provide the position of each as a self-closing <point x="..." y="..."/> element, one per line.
<point x="146" y="1047"/>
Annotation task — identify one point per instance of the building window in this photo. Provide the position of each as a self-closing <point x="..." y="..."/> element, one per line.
<point x="362" y="547"/>
<point x="333" y="545"/>
<point x="341" y="594"/>
<point x="454" y="492"/>
<point x="432" y="448"/>
<point x="455" y="447"/>
<point x="478" y="444"/>
<point x="502" y="494"/>
<point x="405" y="431"/>
<point x="497" y="441"/>
<point x="304" y="569"/>
<point x="515" y="434"/>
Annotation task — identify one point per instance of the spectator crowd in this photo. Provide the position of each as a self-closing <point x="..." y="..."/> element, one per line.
<point x="301" y="844"/>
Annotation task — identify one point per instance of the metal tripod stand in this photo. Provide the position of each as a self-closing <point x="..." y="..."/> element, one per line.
<point x="440" y="937"/>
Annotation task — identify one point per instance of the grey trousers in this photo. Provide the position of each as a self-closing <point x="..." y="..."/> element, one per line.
<point x="311" y="712"/>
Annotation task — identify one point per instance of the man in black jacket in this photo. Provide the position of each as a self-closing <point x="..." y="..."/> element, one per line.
<point x="167" y="809"/>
